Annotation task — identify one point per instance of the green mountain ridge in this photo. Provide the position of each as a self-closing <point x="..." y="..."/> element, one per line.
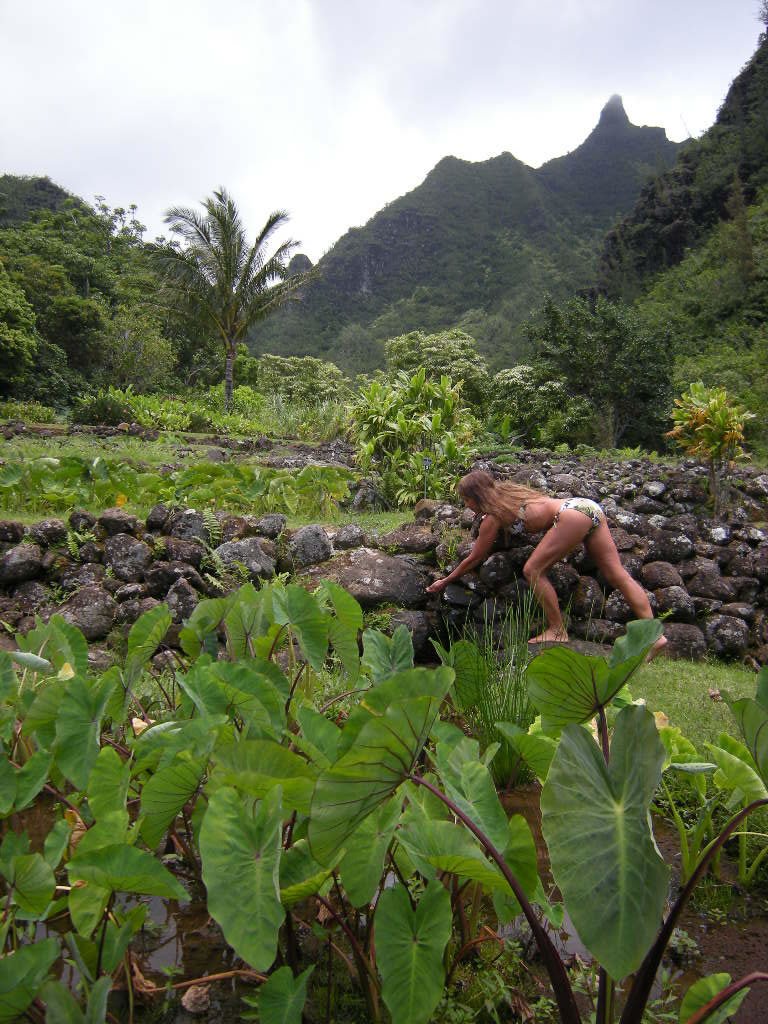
<point x="474" y="240"/>
<point x="23" y="196"/>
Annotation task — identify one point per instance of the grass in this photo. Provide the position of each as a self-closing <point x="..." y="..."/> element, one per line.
<point x="681" y="689"/>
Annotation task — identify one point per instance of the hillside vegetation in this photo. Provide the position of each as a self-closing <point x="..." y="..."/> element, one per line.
<point x="476" y="245"/>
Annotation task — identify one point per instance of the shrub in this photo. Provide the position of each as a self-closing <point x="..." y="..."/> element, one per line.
<point x="30" y="412"/>
<point x="108" y="407"/>
<point x="708" y="423"/>
<point x="415" y="432"/>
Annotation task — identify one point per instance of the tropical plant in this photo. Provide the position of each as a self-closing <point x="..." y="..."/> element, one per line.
<point x="451" y="354"/>
<point x="709" y="424"/>
<point x="215" y="278"/>
<point x="415" y="431"/>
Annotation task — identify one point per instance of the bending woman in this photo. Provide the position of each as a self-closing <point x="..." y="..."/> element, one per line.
<point x="568" y="523"/>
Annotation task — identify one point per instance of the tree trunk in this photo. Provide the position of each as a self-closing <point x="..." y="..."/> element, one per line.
<point x="229" y="378"/>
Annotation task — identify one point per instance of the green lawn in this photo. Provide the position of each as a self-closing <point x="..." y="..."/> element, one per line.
<point x="681" y="690"/>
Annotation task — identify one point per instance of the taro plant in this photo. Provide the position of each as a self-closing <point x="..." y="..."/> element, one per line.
<point x="742" y="770"/>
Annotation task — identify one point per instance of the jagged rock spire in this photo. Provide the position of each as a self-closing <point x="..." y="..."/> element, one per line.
<point x="613" y="114"/>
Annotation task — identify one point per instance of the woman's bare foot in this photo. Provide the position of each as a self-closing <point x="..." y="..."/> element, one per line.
<point x="657" y="648"/>
<point x="550" y="636"/>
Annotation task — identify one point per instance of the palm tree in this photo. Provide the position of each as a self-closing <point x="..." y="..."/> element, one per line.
<point x="216" y="280"/>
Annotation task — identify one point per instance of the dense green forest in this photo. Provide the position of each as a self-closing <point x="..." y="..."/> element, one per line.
<point x="607" y="320"/>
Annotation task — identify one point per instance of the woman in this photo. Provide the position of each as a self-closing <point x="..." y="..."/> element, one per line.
<point x="568" y="523"/>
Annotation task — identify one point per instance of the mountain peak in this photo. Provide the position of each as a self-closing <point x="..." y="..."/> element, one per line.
<point x="613" y="114"/>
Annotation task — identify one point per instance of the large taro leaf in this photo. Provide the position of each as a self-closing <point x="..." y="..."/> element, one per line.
<point x="385" y="656"/>
<point x="752" y="716"/>
<point x="703" y="991"/>
<point x="471" y="673"/>
<point x="146" y="634"/>
<point x="735" y="773"/>
<point x="78" y="727"/>
<point x="295" y="607"/>
<point x="165" y="793"/>
<point x="21" y="975"/>
<point x="257" y="766"/>
<point x="566" y="686"/>
<point x="383" y="755"/>
<point x="248" y="618"/>
<point x="535" y="748"/>
<point x="108" y="783"/>
<point x="281" y="998"/>
<point x="415" y="682"/>
<point x="60" y="643"/>
<point x="363" y="863"/>
<point x="124" y="868"/>
<point x="300" y="875"/>
<point x="409" y="951"/>
<point x="345" y="626"/>
<point x="240" y="850"/>
<point x="33" y="884"/>
<point x="469" y="784"/>
<point x="596" y="825"/>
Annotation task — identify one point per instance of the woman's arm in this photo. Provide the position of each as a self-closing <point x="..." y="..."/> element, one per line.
<point x="481" y="549"/>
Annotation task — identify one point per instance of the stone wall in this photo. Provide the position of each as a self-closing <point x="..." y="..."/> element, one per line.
<point x="711" y="578"/>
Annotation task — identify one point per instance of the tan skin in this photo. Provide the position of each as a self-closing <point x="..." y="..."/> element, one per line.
<point x="572" y="529"/>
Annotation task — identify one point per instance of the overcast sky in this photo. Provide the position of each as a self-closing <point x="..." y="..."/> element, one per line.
<point x="332" y="108"/>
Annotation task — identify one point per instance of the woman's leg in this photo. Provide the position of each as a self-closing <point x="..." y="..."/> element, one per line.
<point x="602" y="550"/>
<point x="570" y="531"/>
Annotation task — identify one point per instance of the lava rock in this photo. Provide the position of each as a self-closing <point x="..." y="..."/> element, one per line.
<point x="20" y="563"/>
<point x="92" y="610"/>
<point x="127" y="557"/>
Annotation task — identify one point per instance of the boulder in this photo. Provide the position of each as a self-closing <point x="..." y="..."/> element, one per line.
<point x="81" y="521"/>
<point x="92" y="610"/>
<point x="588" y="599"/>
<point x="157" y="517"/>
<point x="173" y="549"/>
<point x="161" y="576"/>
<point x="727" y="636"/>
<point x="410" y="538"/>
<point x="684" y="641"/>
<point x="309" y="546"/>
<point x="655" y="575"/>
<point x="11" y="532"/>
<point x="271" y="525"/>
<point x="497" y="570"/>
<point x="182" y="599"/>
<point x="88" y="575"/>
<point x="678" y="602"/>
<point x="250" y="553"/>
<point x="349" y="536"/>
<point x="23" y="562"/>
<point x="116" y="520"/>
<point x="49" y="532"/>
<point x="127" y="557"/>
<point x="187" y="524"/>
<point x="374" y="578"/>
<point x="128" y="612"/>
<point x="667" y="546"/>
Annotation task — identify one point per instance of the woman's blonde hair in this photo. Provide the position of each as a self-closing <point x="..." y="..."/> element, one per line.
<point x="501" y="498"/>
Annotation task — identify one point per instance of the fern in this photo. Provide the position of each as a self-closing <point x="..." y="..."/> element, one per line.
<point x="213" y="526"/>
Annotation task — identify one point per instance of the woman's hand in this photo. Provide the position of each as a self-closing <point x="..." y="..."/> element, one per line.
<point x="438" y="586"/>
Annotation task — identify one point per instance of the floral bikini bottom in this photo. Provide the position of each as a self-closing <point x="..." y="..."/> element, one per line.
<point x="588" y="507"/>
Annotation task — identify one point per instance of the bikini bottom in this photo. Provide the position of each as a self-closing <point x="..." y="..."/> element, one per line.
<point x="588" y="507"/>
